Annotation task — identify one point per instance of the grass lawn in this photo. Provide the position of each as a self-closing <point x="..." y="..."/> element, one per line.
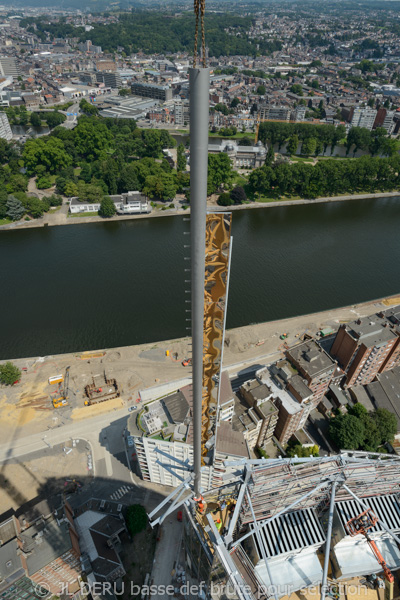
<point x="5" y="221"/>
<point x="84" y="214"/>
<point x="301" y="159"/>
<point x="54" y="209"/>
<point x="237" y="136"/>
<point x="238" y="179"/>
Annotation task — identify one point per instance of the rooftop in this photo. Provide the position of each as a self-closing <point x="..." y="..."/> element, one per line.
<point x="229" y="442"/>
<point x="311" y="358"/>
<point x="371" y="331"/>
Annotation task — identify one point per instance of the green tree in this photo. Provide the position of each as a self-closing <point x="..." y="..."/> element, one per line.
<point x="47" y="151"/>
<point x="36" y="121"/>
<point x="43" y="183"/>
<point x="107" y="207"/>
<point x="87" y="108"/>
<point x="181" y="158"/>
<point x="235" y="102"/>
<point x="219" y="171"/>
<point x="292" y="144"/>
<point x="270" y="157"/>
<point x="15" y="209"/>
<point x="386" y="423"/>
<point x="9" y="373"/>
<point x="296" y="89"/>
<point x="225" y="199"/>
<point x="70" y="189"/>
<point x="36" y="207"/>
<point x="309" y="146"/>
<point x="301" y="452"/>
<point x="124" y="92"/>
<point x="136" y="518"/>
<point x="261" y="90"/>
<point x="347" y="431"/>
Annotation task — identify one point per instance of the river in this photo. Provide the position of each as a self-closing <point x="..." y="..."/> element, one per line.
<point x="66" y="289"/>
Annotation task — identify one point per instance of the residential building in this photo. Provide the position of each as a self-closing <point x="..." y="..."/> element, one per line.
<point x="110" y="79"/>
<point x="392" y="315"/>
<point x="289" y="392"/>
<point x="126" y="204"/>
<point x="9" y="67"/>
<point x="181" y="112"/>
<point x="275" y="113"/>
<point x="226" y="398"/>
<point x="259" y="396"/>
<point x="385" y="393"/>
<point x="362" y="117"/>
<point x="315" y="366"/>
<point x="362" y="348"/>
<point x="152" y="90"/>
<point x="5" y="128"/>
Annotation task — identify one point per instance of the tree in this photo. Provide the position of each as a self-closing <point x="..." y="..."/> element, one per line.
<point x="301" y="452"/>
<point x="53" y="119"/>
<point x="54" y="200"/>
<point x="292" y="144"/>
<point x="47" y="151"/>
<point x="261" y="90"/>
<point x="43" y="183"/>
<point x="70" y="189"/>
<point x="87" y="108"/>
<point x="36" y="121"/>
<point x="124" y="92"/>
<point x="225" y="199"/>
<point x="386" y="423"/>
<point x="219" y="171"/>
<point x="37" y="207"/>
<point x="15" y="209"/>
<point x="270" y="157"/>
<point x="308" y="147"/>
<point x="238" y="195"/>
<point x="236" y="101"/>
<point x="347" y="432"/>
<point x="107" y="208"/>
<point x="181" y="158"/>
<point x="136" y="518"/>
<point x="9" y="373"/>
<point x="296" y="89"/>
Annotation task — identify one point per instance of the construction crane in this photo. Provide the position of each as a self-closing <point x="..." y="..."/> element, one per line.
<point x="62" y="400"/>
<point x="361" y="525"/>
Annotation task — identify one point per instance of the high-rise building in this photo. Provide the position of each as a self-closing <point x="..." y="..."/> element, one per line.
<point x="362" y="347"/>
<point x="9" y="67"/>
<point x="5" y="129"/>
<point x="110" y="79"/>
<point x="363" y="117"/>
<point x="275" y="113"/>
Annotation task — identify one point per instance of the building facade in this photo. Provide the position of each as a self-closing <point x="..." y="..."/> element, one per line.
<point x="5" y="128"/>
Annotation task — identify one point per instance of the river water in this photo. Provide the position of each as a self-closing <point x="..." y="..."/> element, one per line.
<point x="78" y="287"/>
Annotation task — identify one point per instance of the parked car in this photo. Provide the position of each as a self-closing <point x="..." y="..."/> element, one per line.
<point x="132" y="408"/>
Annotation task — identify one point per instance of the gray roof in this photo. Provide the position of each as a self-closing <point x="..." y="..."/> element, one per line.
<point x="370" y="331"/>
<point x="7" y="531"/>
<point x="229" y="442"/>
<point x="10" y="562"/>
<point x="300" y="386"/>
<point x="359" y="394"/>
<point x="45" y="542"/>
<point x="177" y="407"/>
<point x="108" y="526"/>
<point x="312" y="359"/>
<point x="225" y="393"/>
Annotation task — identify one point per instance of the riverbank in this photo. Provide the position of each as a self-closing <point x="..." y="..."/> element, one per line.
<point x="62" y="216"/>
<point x="26" y="407"/>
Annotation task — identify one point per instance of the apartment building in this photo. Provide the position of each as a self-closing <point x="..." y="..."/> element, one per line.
<point x="392" y="316"/>
<point x="289" y="392"/>
<point x="362" y="117"/>
<point x="5" y="128"/>
<point x="152" y="90"/>
<point x="315" y="366"/>
<point x="181" y="112"/>
<point x="110" y="79"/>
<point x="270" y="112"/>
<point x="9" y="67"/>
<point x="362" y="348"/>
<point x="262" y="411"/>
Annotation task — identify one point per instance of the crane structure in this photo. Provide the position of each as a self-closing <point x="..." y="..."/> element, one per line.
<point x="362" y="525"/>
<point x="217" y="263"/>
<point x="62" y="400"/>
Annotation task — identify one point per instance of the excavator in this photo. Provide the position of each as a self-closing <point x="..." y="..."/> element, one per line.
<point x="361" y="525"/>
<point x="62" y="400"/>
